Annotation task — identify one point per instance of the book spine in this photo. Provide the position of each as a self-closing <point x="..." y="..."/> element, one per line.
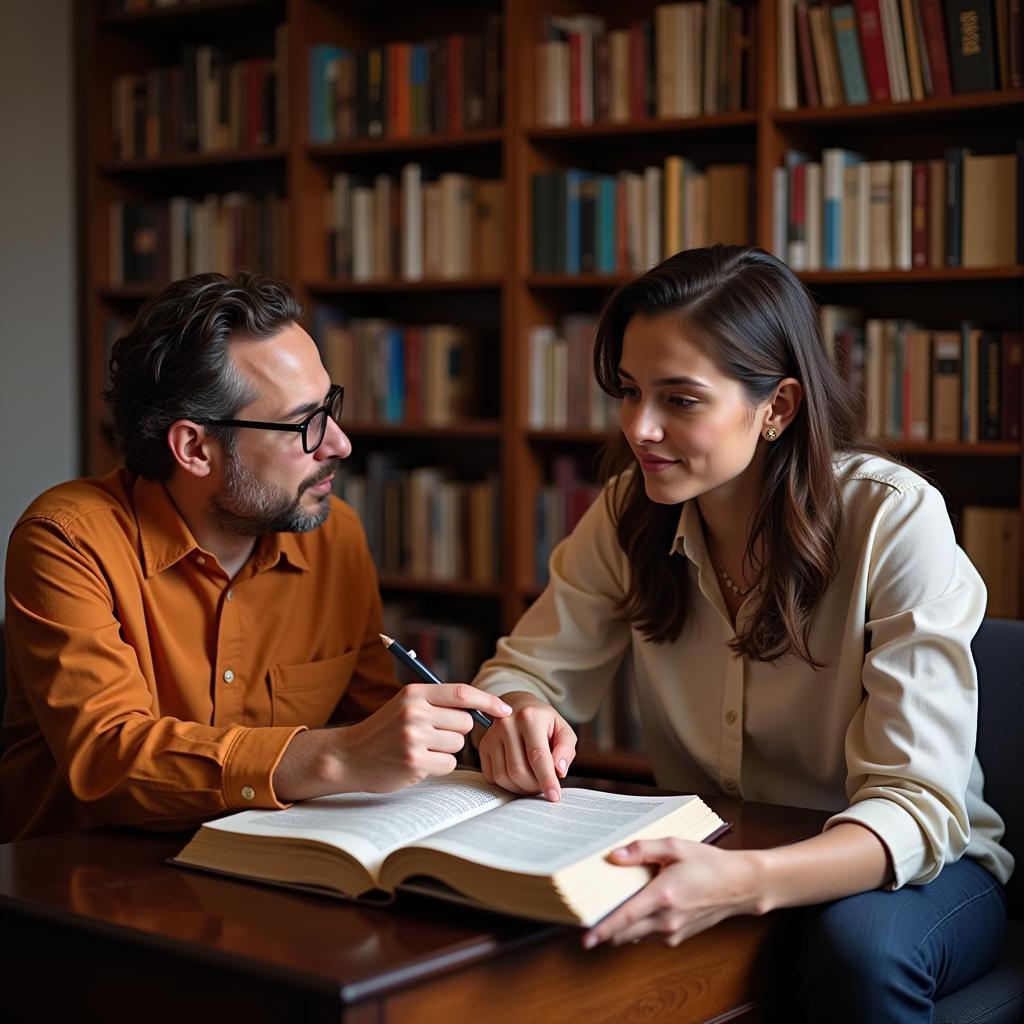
<point x="780" y="212"/>
<point x="934" y="31"/>
<point x="954" y="159"/>
<point x="919" y="214"/>
<point x="910" y="37"/>
<point x="895" y="55"/>
<point x="971" y="45"/>
<point x="851" y="66"/>
<point x="869" y="23"/>
<point x="796" y="219"/>
<point x="606" y="225"/>
<point x="1015" y="37"/>
<point x="809" y="76"/>
<point x="812" y="202"/>
<point x="969" y="350"/>
<point x="989" y="388"/>
<point x="786" y="30"/>
<point x="946" y="386"/>
<point x="832" y="209"/>
<point x="936" y="213"/>
<point x="1012" y="385"/>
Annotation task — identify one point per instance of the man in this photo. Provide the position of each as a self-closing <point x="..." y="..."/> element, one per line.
<point x="178" y="630"/>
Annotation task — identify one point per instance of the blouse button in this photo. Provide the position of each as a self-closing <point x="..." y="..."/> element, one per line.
<point x="229" y="596"/>
<point x="248" y="793"/>
<point x="730" y="717"/>
<point x="229" y="676"/>
<point x="200" y="560"/>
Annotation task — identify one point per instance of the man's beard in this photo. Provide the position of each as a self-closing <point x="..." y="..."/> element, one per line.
<point x="249" y="507"/>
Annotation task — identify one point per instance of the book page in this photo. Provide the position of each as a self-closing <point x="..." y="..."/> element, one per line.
<point x="371" y="825"/>
<point x="532" y="836"/>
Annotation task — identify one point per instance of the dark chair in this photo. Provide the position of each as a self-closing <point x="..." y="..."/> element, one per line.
<point x="998" y="997"/>
<point x="3" y="683"/>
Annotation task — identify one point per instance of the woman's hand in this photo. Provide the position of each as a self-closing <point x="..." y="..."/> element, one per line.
<point x="696" y="887"/>
<point x="529" y="751"/>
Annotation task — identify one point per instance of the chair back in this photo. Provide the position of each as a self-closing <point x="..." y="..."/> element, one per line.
<point x="999" y="654"/>
<point x="3" y="683"/>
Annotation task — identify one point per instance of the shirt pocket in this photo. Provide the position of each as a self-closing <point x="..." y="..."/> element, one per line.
<point x="307" y="694"/>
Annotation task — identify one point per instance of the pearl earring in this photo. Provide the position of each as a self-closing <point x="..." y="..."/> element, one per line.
<point x="771" y="434"/>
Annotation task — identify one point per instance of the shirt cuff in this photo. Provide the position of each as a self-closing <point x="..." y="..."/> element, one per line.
<point x="250" y="765"/>
<point x="499" y="683"/>
<point x="900" y="834"/>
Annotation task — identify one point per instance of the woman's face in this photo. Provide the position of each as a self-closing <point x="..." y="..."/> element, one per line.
<point x="690" y="426"/>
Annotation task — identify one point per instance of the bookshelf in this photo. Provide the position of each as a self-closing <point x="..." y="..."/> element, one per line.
<point x="501" y="308"/>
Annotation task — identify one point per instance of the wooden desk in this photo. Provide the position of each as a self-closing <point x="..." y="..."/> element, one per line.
<point x="97" y="926"/>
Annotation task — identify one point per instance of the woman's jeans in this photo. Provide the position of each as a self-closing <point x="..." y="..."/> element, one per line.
<point x="882" y="957"/>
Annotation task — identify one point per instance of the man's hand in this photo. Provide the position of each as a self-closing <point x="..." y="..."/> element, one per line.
<point x="530" y="751"/>
<point x="415" y="735"/>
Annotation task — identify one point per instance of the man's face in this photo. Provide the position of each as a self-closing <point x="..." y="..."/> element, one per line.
<point x="268" y="483"/>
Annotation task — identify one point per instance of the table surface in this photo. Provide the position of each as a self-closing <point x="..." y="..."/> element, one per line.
<point x="118" y="884"/>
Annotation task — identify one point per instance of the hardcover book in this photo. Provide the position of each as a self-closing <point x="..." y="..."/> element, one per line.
<point x="972" y="48"/>
<point x="458" y="838"/>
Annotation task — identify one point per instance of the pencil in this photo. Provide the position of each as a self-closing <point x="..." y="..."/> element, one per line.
<point x="411" y="662"/>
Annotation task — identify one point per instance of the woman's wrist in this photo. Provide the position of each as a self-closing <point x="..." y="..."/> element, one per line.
<point x="758" y="890"/>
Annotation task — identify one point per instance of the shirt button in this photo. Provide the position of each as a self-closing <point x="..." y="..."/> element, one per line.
<point x="229" y="596"/>
<point x="200" y="560"/>
<point x="248" y="793"/>
<point x="229" y="676"/>
<point x="730" y="717"/>
<point x="730" y="784"/>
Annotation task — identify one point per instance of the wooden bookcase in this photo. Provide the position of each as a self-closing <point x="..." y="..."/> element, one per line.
<point x="510" y="304"/>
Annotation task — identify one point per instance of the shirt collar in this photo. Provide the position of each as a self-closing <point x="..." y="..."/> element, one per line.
<point x="689" y="535"/>
<point x="272" y="547"/>
<point x="166" y="538"/>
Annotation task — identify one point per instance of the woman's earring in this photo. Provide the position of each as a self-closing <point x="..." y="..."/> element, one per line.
<point x="771" y="434"/>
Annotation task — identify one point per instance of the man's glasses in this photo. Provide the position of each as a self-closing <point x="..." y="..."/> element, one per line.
<point x="313" y="428"/>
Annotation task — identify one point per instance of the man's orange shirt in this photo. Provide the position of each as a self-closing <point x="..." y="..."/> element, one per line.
<point x="144" y="687"/>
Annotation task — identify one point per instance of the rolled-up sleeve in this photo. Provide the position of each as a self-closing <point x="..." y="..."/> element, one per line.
<point x="83" y="684"/>
<point x="569" y="643"/>
<point x="910" y="745"/>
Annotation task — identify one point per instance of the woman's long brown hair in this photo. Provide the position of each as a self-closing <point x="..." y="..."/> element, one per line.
<point x="759" y="324"/>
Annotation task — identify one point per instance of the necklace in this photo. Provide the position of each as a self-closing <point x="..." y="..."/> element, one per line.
<point x="729" y="581"/>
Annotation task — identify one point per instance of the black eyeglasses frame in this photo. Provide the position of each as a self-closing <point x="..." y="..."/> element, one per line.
<point x="336" y="392"/>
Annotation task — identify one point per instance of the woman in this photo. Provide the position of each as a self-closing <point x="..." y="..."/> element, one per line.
<point x="799" y="618"/>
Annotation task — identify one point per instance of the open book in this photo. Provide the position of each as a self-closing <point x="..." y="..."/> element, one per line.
<point x="457" y="837"/>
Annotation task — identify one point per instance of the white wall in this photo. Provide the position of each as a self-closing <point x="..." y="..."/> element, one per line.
<point x="39" y="419"/>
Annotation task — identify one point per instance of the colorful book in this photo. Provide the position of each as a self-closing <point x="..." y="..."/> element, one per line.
<point x="869" y="23"/>
<point x="851" y="66"/>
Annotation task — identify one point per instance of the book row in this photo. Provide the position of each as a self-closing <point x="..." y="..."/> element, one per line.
<point x="415" y="226"/>
<point x="205" y="104"/>
<point x="845" y="212"/>
<point x="930" y="385"/>
<point x="558" y="507"/>
<point x="408" y="373"/>
<point x="563" y="393"/>
<point x="588" y="222"/>
<point x="881" y="51"/>
<point x="422" y="522"/>
<point x="689" y="59"/>
<point x="445" y="85"/>
<point x="163" y="240"/>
